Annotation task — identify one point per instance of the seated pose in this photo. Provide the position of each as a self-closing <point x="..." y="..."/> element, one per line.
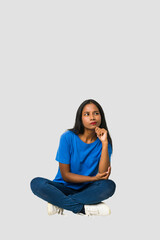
<point x="84" y="156"/>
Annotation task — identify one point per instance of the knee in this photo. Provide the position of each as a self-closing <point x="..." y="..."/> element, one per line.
<point x="34" y="184"/>
<point x="110" y="186"/>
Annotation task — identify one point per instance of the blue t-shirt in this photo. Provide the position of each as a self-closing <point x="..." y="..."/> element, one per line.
<point x="83" y="157"/>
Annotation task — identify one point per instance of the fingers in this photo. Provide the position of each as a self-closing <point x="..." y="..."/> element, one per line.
<point x="106" y="177"/>
<point x="109" y="169"/>
<point x="103" y="174"/>
<point x="98" y="131"/>
<point x="106" y="174"/>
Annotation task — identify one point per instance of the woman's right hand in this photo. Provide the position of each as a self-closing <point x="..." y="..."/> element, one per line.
<point x="103" y="176"/>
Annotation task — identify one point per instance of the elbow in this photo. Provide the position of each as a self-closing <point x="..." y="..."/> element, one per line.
<point x="65" y="177"/>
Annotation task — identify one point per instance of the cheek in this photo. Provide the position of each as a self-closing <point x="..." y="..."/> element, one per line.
<point x="84" y="121"/>
<point x="99" y="119"/>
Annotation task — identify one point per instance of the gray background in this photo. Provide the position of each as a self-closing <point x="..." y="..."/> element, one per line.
<point x="53" y="56"/>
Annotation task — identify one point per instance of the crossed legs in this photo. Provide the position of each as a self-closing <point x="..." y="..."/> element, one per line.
<point x="73" y="200"/>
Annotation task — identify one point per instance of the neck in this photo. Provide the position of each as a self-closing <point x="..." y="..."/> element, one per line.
<point x="89" y="135"/>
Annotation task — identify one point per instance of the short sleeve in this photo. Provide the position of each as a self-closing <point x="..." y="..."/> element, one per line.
<point x="63" y="152"/>
<point x="109" y="151"/>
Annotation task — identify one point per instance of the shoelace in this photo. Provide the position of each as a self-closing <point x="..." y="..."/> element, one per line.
<point x="60" y="211"/>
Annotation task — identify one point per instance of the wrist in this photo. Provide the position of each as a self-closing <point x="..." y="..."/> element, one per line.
<point x="94" y="178"/>
<point x="105" y="143"/>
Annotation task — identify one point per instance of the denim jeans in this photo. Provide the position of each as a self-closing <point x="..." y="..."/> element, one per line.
<point x="70" y="199"/>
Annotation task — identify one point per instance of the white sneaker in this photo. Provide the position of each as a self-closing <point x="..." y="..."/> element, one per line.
<point x="100" y="209"/>
<point x="52" y="209"/>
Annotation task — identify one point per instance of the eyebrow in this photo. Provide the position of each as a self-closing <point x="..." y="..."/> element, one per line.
<point x="93" y="111"/>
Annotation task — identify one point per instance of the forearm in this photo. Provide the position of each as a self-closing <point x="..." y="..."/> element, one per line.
<point x="75" y="178"/>
<point x="104" y="161"/>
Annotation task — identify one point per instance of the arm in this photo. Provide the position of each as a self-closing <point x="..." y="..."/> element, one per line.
<point x="72" y="177"/>
<point x="104" y="161"/>
<point x="76" y="178"/>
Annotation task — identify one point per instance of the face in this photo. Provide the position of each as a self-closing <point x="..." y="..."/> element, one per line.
<point x="91" y="114"/>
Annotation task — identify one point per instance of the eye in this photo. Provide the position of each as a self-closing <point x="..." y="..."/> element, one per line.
<point x="96" y="113"/>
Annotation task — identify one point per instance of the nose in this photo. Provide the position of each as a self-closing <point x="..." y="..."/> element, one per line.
<point x="92" y="117"/>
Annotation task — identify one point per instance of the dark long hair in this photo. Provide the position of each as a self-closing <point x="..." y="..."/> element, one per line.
<point x="78" y="126"/>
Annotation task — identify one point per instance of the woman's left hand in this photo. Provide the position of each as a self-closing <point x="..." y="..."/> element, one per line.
<point x="101" y="134"/>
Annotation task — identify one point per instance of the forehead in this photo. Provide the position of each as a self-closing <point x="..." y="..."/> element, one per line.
<point x="90" y="108"/>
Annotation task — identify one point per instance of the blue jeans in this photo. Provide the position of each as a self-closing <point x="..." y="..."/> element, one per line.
<point x="70" y="199"/>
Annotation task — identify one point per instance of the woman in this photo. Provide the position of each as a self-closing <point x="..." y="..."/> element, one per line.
<point x="84" y="154"/>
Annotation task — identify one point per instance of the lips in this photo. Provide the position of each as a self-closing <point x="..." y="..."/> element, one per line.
<point x="93" y="123"/>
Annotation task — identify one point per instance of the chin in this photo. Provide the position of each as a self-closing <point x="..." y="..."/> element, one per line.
<point x="92" y="127"/>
